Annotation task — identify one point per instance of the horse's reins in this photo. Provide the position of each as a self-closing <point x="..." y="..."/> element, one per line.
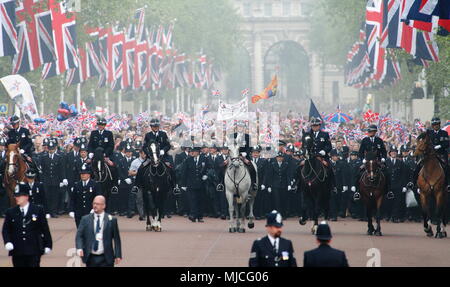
<point x="236" y="185"/>
<point x="107" y="174"/>
<point x="312" y="170"/>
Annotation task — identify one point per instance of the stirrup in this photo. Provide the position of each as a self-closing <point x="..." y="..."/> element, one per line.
<point x="220" y="188"/>
<point x="356" y="196"/>
<point x="114" y="190"/>
<point x="390" y="195"/>
<point x="134" y="189"/>
<point x="410" y="185"/>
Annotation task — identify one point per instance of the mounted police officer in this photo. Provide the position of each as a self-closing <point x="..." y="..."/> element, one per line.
<point x="272" y="250"/>
<point x="440" y="140"/>
<point x="243" y="140"/>
<point x="82" y="195"/>
<point x="372" y="143"/>
<point x="321" y="146"/>
<point x="101" y="138"/>
<point x="21" y="136"/>
<point x="25" y="231"/>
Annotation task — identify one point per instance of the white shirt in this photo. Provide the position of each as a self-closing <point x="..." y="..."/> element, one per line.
<point x="274" y="240"/>
<point x="85" y="183"/>
<point x="100" y="249"/>
<point x="25" y="208"/>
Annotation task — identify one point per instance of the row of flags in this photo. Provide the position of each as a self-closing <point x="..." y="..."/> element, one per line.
<point x="39" y="33"/>
<point x="395" y="24"/>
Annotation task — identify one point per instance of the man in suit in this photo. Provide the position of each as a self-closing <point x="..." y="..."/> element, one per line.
<point x="53" y="178"/>
<point x="262" y="197"/>
<point x="101" y="138"/>
<point x="396" y="208"/>
<point x="82" y="195"/>
<point x="272" y="250"/>
<point x="182" y="199"/>
<point x="123" y="166"/>
<point x="25" y="231"/>
<point x="98" y="238"/>
<point x="324" y="255"/>
<point x="193" y="179"/>
<point x="221" y="165"/>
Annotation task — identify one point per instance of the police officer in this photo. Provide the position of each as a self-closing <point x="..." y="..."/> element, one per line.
<point x="101" y="138"/>
<point x="277" y="181"/>
<point x="4" y="201"/>
<point x="321" y="146"/>
<point x="123" y="166"/>
<point x="337" y="207"/>
<point x="83" y="194"/>
<point x="182" y="199"/>
<point x="397" y="172"/>
<point x="272" y="250"/>
<point x="262" y="197"/>
<point x="324" y="255"/>
<point x="20" y="135"/>
<point x="413" y="213"/>
<point x="53" y="178"/>
<point x="243" y="140"/>
<point x="25" y="231"/>
<point x="357" y="208"/>
<point x="136" y="193"/>
<point x="37" y="190"/>
<point x="372" y="143"/>
<point x="221" y="164"/>
<point x="71" y="162"/>
<point x="213" y="181"/>
<point x="80" y="160"/>
<point x="194" y="177"/>
<point x="440" y="140"/>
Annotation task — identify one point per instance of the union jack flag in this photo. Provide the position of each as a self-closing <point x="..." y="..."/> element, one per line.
<point x="8" y="33"/>
<point x="65" y="40"/>
<point x="78" y="75"/>
<point x="141" y="52"/>
<point x="128" y="57"/>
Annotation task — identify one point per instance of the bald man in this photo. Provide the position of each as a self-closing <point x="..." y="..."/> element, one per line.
<point x="98" y="239"/>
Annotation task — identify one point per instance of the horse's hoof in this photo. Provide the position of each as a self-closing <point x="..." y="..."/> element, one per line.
<point x="251" y="225"/>
<point x="232" y="230"/>
<point x="429" y="233"/>
<point x="378" y="233"/>
<point x="157" y="229"/>
<point x="148" y="228"/>
<point x="241" y="230"/>
<point x="370" y="232"/>
<point x="314" y="230"/>
<point x="444" y="234"/>
<point x="301" y="221"/>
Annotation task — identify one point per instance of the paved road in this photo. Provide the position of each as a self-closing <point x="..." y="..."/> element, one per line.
<point x="187" y="244"/>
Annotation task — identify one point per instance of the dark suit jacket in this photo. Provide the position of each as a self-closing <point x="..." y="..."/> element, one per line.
<point x="85" y="237"/>
<point x="192" y="174"/>
<point x="325" y="256"/>
<point x="31" y="239"/>
<point x="368" y="146"/>
<point x="263" y="254"/>
<point x="53" y="170"/>
<point x="22" y="137"/>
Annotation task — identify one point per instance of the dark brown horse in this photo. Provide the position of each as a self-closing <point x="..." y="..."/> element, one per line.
<point x="15" y="168"/>
<point x="431" y="184"/>
<point x="372" y="186"/>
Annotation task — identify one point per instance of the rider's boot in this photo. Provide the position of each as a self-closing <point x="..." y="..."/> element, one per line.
<point x="252" y="172"/>
<point x="356" y="194"/>
<point x="412" y="184"/>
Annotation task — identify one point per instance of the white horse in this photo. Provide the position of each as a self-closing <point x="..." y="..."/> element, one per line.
<point x="237" y="185"/>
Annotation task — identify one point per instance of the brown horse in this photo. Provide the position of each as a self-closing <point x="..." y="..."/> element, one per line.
<point x="15" y="169"/>
<point x="431" y="184"/>
<point x="372" y="186"/>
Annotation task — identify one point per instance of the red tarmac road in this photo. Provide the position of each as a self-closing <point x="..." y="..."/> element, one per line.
<point x="186" y="244"/>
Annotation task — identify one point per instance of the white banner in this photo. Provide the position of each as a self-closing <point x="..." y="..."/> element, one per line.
<point x="19" y="90"/>
<point x="237" y="111"/>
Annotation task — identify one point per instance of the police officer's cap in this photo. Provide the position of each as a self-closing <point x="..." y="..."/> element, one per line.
<point x="393" y="148"/>
<point x="435" y="121"/>
<point x="45" y="142"/>
<point x="323" y="231"/>
<point x="196" y="148"/>
<point x="77" y="142"/>
<point x="315" y="121"/>
<point x="354" y="153"/>
<point x="256" y="148"/>
<point x="51" y="145"/>
<point x="404" y="148"/>
<point x="83" y="147"/>
<point x="85" y="169"/>
<point x="345" y="149"/>
<point x="2" y="142"/>
<point x="372" y="128"/>
<point x="280" y="154"/>
<point x="128" y="148"/>
<point x="101" y="122"/>
<point x="274" y="219"/>
<point x="22" y="189"/>
<point x="154" y="122"/>
<point x="333" y="152"/>
<point x="30" y="173"/>
<point x="14" y="120"/>
<point x="137" y="144"/>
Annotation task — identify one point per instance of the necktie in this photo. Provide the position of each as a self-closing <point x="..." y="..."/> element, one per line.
<point x="275" y="249"/>
<point x="84" y="183"/>
<point x="97" y="230"/>
<point x="373" y="139"/>
<point x="394" y="161"/>
<point x="22" y="210"/>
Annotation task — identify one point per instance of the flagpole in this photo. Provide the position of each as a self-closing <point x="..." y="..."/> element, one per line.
<point x="182" y="99"/>
<point x="149" y="95"/>
<point x="177" y="90"/>
<point x="107" y="100"/>
<point x="41" y="104"/>
<point x="119" y="102"/>
<point x="78" y="96"/>
<point x="62" y="89"/>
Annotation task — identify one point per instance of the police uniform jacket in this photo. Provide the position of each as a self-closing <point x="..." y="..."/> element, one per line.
<point x="22" y="137"/>
<point x="81" y="197"/>
<point x="192" y="174"/>
<point x="244" y="143"/>
<point x="53" y="170"/>
<point x="37" y="194"/>
<point x="368" y="146"/>
<point x="397" y="172"/>
<point x="263" y="254"/>
<point x="325" y="256"/>
<point x="320" y="142"/>
<point x="70" y="166"/>
<point x="30" y="235"/>
<point x="440" y="138"/>
<point x="160" y="137"/>
<point x="277" y="177"/>
<point x="104" y="140"/>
